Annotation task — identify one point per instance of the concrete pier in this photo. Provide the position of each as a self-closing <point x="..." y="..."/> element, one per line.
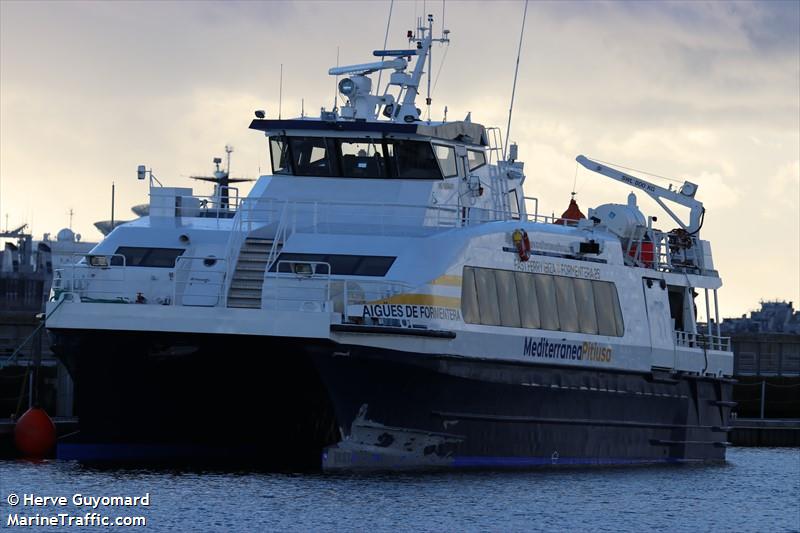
<point x="765" y="432"/>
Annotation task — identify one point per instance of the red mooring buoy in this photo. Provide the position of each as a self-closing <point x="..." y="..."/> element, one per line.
<point x="35" y="434"/>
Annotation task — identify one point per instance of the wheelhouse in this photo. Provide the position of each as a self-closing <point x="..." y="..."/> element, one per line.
<point x="428" y="155"/>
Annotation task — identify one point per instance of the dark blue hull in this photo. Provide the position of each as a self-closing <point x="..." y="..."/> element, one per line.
<point x="405" y="411"/>
<point x="294" y="403"/>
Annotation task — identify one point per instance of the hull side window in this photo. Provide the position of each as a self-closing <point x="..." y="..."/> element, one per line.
<point x="487" y="297"/>
<point x="469" y="297"/>
<point x="507" y="298"/>
<point x="528" y="303"/>
<point x="584" y="299"/>
<point x="546" y="294"/>
<point x="567" y="310"/>
<point x="603" y="301"/>
<point x="496" y="297"/>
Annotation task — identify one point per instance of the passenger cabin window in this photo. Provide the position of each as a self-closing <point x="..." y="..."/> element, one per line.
<point x="493" y="297"/>
<point x="476" y="159"/>
<point x="447" y="160"/>
<point x="136" y="256"/>
<point x="340" y="264"/>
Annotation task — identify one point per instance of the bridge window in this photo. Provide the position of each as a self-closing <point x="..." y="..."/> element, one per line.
<point x="413" y="160"/>
<point x="311" y="156"/>
<point x="476" y="159"/>
<point x="447" y="160"/>
<point x="279" y="151"/>
<point x="362" y="159"/>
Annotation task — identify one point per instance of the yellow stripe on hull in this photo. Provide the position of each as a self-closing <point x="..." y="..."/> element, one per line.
<point x="421" y="299"/>
<point x="447" y="280"/>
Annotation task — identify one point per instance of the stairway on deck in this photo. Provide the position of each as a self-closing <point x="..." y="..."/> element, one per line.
<point x="248" y="278"/>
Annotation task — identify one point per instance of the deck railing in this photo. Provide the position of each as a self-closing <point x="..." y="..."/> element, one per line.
<point x="700" y="340"/>
<point x="279" y="219"/>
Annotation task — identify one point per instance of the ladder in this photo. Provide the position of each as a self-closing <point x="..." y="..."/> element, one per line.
<point x="494" y="151"/>
<point x="248" y="278"/>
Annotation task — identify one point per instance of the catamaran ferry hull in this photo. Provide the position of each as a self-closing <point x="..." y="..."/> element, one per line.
<point x="311" y="403"/>
<point x="401" y="411"/>
<point x="154" y="397"/>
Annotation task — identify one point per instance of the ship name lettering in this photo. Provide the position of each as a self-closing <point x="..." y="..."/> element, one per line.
<point x="409" y="311"/>
<point x="587" y="351"/>
<point x="558" y="269"/>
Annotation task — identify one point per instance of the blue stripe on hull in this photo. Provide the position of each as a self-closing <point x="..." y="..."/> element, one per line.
<point x="123" y="452"/>
<point x="521" y="462"/>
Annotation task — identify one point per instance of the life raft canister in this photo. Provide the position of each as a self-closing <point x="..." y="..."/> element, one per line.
<point x="522" y="244"/>
<point x="648" y="253"/>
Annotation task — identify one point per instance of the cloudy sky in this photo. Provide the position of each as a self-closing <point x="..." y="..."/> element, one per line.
<point x="708" y="92"/>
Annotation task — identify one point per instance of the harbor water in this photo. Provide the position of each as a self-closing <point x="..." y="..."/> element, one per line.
<point x="756" y="490"/>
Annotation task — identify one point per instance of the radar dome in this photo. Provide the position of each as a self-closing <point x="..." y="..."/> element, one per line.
<point x="65" y="234"/>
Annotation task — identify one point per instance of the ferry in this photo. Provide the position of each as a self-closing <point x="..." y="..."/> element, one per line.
<point x="389" y="298"/>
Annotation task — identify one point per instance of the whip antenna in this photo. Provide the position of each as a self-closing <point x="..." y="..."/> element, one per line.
<point x="514" y="86"/>
<point x="336" y="84"/>
<point x="385" y="40"/>
<point x="280" y="93"/>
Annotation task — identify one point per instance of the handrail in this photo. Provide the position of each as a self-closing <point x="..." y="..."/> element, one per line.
<point x="271" y="281"/>
<point x="58" y="274"/>
<point x="210" y="205"/>
<point x="702" y="340"/>
<point x="279" y="239"/>
<point x="386" y="215"/>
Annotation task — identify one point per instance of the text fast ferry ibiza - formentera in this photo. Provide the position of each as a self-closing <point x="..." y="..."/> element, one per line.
<point x="389" y="298"/>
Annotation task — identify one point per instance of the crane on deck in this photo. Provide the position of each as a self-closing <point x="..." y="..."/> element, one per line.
<point x="683" y="196"/>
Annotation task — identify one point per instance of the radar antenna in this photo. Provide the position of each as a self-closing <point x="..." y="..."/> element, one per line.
<point x="363" y="104"/>
<point x="221" y="179"/>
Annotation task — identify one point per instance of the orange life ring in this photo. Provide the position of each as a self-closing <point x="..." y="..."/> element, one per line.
<point x="522" y="243"/>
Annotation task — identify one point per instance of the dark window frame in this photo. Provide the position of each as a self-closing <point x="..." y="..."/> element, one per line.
<point x="148" y="252"/>
<point x="334" y="154"/>
<point x="513" y="204"/>
<point x="455" y="159"/>
<point x="380" y="267"/>
<point x="387" y="166"/>
<point x="289" y="171"/>
<point x="554" y="310"/>
<point x="331" y="155"/>
<point x="476" y="151"/>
